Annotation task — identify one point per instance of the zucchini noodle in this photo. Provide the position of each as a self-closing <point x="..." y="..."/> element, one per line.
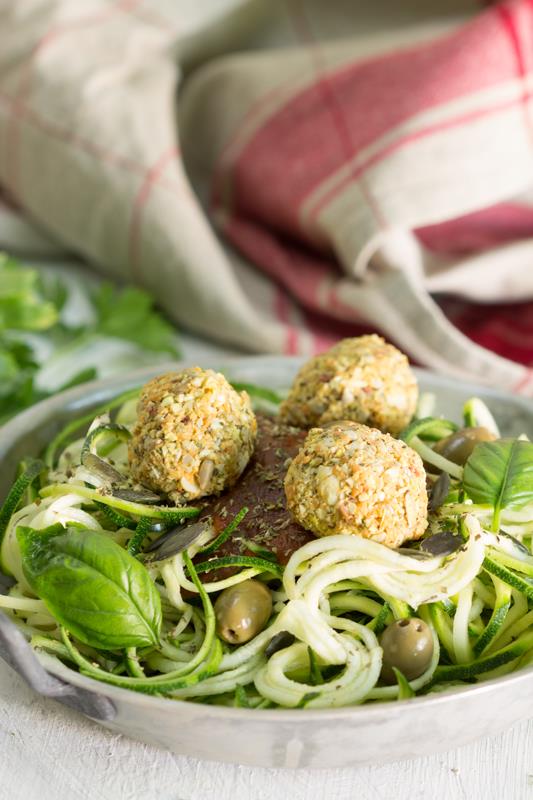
<point x="438" y="461"/>
<point x="461" y="643"/>
<point x="330" y="603"/>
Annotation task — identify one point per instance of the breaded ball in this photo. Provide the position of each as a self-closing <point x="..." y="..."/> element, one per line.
<point x="352" y="479"/>
<point x="194" y="434"/>
<point x="362" y="379"/>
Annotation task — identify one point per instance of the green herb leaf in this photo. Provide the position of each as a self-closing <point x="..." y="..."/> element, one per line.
<point x="17" y="368"/>
<point x="22" y="305"/>
<point x="128" y="314"/>
<point x="92" y="586"/>
<point x="39" y="348"/>
<point x="500" y="474"/>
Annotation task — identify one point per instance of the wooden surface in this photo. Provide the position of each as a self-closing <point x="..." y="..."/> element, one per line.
<point x="48" y="752"/>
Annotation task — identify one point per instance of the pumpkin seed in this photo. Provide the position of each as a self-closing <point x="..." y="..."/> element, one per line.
<point x="439" y="492"/>
<point x="175" y="541"/>
<point x="441" y="544"/>
<point x="133" y="496"/>
<point x="97" y="466"/>
<point x="279" y="642"/>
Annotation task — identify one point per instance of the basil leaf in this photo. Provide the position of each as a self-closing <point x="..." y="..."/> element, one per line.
<point x="92" y="586"/>
<point x="500" y="474"/>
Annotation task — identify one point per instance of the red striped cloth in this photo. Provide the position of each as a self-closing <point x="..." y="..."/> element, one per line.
<point x="357" y="180"/>
<point x="332" y="145"/>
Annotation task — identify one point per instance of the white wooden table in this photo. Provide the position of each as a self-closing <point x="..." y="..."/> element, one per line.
<point x="48" y="752"/>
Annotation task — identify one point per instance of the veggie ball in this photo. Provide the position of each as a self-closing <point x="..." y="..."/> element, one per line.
<point x="194" y="434"/>
<point x="362" y="379"/>
<point x="352" y="479"/>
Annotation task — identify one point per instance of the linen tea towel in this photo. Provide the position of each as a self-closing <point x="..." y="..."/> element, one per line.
<point x="347" y="177"/>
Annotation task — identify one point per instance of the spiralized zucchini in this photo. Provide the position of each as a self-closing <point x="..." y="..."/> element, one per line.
<point x="332" y="600"/>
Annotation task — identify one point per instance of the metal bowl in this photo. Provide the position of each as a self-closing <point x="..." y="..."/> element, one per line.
<point x="342" y="737"/>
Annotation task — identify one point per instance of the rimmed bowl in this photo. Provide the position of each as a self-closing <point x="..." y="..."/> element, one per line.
<point x="373" y="733"/>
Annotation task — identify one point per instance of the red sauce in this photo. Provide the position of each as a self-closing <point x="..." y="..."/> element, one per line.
<point x="260" y="488"/>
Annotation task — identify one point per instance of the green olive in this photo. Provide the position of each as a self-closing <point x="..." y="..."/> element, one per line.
<point x="459" y="446"/>
<point x="242" y="611"/>
<point x="407" y="645"/>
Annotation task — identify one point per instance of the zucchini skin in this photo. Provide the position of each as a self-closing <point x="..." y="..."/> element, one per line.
<point x="470" y="671"/>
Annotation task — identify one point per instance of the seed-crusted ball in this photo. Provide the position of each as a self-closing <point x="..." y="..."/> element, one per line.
<point x="352" y="479"/>
<point x="194" y="434"/>
<point x="362" y="379"/>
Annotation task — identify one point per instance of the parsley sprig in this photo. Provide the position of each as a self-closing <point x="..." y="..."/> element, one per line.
<point x="38" y="340"/>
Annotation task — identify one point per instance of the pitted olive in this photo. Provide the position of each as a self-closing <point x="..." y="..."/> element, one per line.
<point x="459" y="446"/>
<point x="407" y="645"/>
<point x="242" y="611"/>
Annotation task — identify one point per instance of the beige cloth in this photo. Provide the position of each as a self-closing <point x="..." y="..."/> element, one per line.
<point x="107" y="161"/>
